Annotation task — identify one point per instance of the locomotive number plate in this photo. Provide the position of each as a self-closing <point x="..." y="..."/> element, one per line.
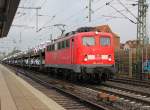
<point x="91" y="57"/>
<point x="104" y="57"/>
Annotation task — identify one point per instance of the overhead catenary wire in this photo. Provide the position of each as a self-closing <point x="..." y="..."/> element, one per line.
<point x="121" y="13"/>
<point x="99" y="8"/>
<point x="22" y="26"/>
<point x="96" y="10"/>
<point x="112" y="16"/>
<point x="66" y="19"/>
<point x="129" y="11"/>
<point x="69" y="18"/>
<point x="19" y="15"/>
<point x="97" y="1"/>
<point x="28" y="15"/>
<point x="83" y="9"/>
<point x="114" y="13"/>
<point x="43" y="3"/>
<point x="73" y="15"/>
<point x="106" y="19"/>
<point x="25" y="1"/>
<point x="48" y="22"/>
<point x="108" y="3"/>
<point x="102" y="6"/>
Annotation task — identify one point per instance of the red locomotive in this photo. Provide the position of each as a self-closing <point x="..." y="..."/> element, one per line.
<point x="90" y="55"/>
<point x="80" y="55"/>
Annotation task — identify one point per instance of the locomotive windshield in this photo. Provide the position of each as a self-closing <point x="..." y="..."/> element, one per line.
<point x="104" y="41"/>
<point x="88" y="41"/>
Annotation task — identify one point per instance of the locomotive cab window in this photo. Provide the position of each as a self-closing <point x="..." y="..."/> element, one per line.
<point x="105" y="41"/>
<point x="88" y="41"/>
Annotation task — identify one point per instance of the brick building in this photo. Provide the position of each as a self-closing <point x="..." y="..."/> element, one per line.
<point x="106" y="28"/>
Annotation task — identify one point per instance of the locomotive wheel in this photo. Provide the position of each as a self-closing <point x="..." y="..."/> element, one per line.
<point x="73" y="76"/>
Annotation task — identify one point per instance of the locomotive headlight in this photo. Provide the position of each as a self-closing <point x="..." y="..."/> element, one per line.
<point x="96" y="32"/>
<point x="85" y="58"/>
<point x="109" y="58"/>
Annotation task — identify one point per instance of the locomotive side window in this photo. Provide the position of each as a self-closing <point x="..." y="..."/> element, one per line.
<point x="63" y="44"/>
<point x="68" y="43"/>
<point x="53" y="47"/>
<point x="49" y="48"/>
<point x="56" y="46"/>
<point x="59" y="45"/>
<point x="105" y="41"/>
<point x="88" y="41"/>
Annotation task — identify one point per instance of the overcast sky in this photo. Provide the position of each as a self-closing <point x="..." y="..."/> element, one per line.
<point x="72" y="13"/>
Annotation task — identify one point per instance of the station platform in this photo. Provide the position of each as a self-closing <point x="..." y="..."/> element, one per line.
<point x="17" y="94"/>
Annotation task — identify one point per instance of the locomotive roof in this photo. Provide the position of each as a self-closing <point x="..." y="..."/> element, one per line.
<point x="72" y="35"/>
<point x="81" y="30"/>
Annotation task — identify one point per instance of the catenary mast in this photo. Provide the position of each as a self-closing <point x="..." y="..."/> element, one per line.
<point x="142" y="38"/>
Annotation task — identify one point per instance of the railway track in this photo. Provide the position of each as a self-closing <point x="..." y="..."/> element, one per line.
<point x="126" y="95"/>
<point x="77" y="98"/>
<point x="60" y="98"/>
<point x="134" y="82"/>
<point x="127" y="99"/>
<point x="125" y="87"/>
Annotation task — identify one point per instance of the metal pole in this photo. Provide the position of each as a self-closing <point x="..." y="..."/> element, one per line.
<point x="142" y="60"/>
<point x="141" y="34"/>
<point x="36" y="19"/>
<point x="90" y="10"/>
<point x="130" y="63"/>
<point x="20" y="40"/>
<point x="35" y="8"/>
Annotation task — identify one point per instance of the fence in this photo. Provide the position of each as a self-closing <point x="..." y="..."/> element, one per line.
<point x="126" y="62"/>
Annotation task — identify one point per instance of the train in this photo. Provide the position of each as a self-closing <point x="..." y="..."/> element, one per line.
<point x="80" y="55"/>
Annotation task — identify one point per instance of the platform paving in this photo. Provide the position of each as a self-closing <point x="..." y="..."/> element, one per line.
<point x="17" y="94"/>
